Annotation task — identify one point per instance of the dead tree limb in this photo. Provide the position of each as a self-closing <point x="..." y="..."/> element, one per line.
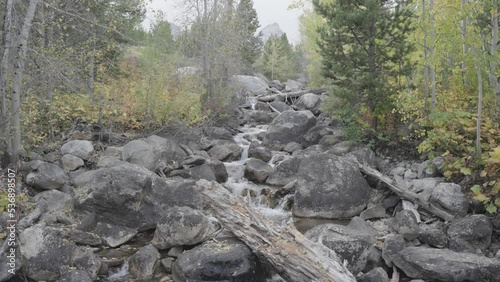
<point x="406" y="194"/>
<point x="273" y="108"/>
<point x="285" y="249"/>
<point x="288" y="95"/>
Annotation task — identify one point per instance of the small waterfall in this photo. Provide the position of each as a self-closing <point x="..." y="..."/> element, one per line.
<point x="255" y="195"/>
<point x="252" y="101"/>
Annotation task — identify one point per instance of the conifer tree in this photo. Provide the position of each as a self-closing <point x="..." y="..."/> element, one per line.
<point x="247" y="24"/>
<point x="363" y="46"/>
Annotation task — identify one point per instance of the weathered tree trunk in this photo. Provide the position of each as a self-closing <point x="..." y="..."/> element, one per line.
<point x="18" y="77"/>
<point x="426" y="57"/>
<point x="464" y="48"/>
<point x="283" y="96"/>
<point x="285" y="249"/>
<point x="4" y="71"/>
<point x="406" y="194"/>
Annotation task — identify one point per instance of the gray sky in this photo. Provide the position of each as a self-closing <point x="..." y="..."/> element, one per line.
<point x="268" y="11"/>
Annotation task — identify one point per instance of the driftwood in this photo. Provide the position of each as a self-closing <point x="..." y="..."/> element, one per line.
<point x="406" y="194"/>
<point x="284" y="96"/>
<point x="284" y="249"/>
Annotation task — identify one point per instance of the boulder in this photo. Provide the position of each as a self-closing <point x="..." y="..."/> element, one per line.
<point x="330" y="140"/>
<point x="183" y="226"/>
<point x="405" y="223"/>
<point x="226" y="151"/>
<point x="250" y="85"/>
<point x="410" y="174"/>
<point x="433" y="236"/>
<point x="143" y="263"/>
<point x="257" y="171"/>
<point x="310" y="102"/>
<point x="450" y="197"/>
<point x="364" y="156"/>
<point x="259" y="152"/>
<point x="79" y="148"/>
<point x="292" y="147"/>
<point x="277" y="84"/>
<point x="56" y="200"/>
<point x="349" y="244"/>
<point x="113" y="151"/>
<point x="227" y="259"/>
<point x="340" y="148"/>
<point x="219" y="170"/>
<point x="377" y="274"/>
<point x="114" y="235"/>
<point x="70" y="162"/>
<point x="202" y="172"/>
<point x="293" y="85"/>
<point x="314" y="135"/>
<point x="141" y="153"/>
<point x="47" y="176"/>
<point x="288" y="127"/>
<point x="45" y="252"/>
<point x="285" y="172"/>
<point x="171" y="154"/>
<point x="424" y="187"/>
<point x="329" y="186"/>
<point x="75" y="276"/>
<point x="259" y="117"/>
<point x="445" y="265"/>
<point x="470" y="233"/>
<point x="393" y="244"/>
<point x="280" y="106"/>
<point x="132" y="196"/>
<point x="217" y="133"/>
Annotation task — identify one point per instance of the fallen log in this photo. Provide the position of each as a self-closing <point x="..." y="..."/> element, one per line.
<point x="401" y="191"/>
<point x="284" y="249"/>
<point x="284" y="96"/>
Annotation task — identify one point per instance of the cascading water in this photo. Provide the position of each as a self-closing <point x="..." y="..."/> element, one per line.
<point x="256" y="195"/>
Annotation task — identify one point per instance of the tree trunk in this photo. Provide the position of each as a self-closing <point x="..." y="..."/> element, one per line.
<point x="4" y="71"/>
<point x="493" y="62"/>
<point x="464" y="49"/>
<point x="22" y="49"/>
<point x="426" y="57"/>
<point x="431" y="53"/>
<point x="479" y="104"/>
<point x="284" y="249"/>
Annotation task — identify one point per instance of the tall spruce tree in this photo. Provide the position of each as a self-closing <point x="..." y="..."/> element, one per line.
<point x="363" y="46"/>
<point x="247" y="24"/>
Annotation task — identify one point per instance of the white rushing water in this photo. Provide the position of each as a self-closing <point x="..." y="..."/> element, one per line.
<point x="256" y="195"/>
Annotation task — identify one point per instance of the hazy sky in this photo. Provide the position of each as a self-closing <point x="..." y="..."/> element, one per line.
<point x="268" y="11"/>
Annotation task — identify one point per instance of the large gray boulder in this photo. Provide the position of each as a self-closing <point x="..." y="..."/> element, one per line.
<point x="79" y="148"/>
<point x="259" y="152"/>
<point x="46" y="176"/>
<point x="293" y="85"/>
<point x="450" y="197"/>
<point x="259" y="117"/>
<point x="288" y="127"/>
<point x="183" y="226"/>
<point x="285" y="172"/>
<point x="350" y="244"/>
<point x="114" y="235"/>
<point x="329" y="186"/>
<point x="227" y="259"/>
<point x="470" y="233"/>
<point x="226" y="151"/>
<point x="310" y="102"/>
<point x="446" y="265"/>
<point x="144" y="262"/>
<point x="71" y="162"/>
<point x="141" y="153"/>
<point x="45" y="252"/>
<point x="171" y="154"/>
<point x="257" y="170"/>
<point x="250" y="85"/>
<point x="133" y="196"/>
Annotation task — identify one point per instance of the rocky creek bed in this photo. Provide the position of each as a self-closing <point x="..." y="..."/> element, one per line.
<point x="137" y="212"/>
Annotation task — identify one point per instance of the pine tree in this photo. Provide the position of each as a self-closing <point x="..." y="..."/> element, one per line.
<point x="247" y="24"/>
<point x="363" y="46"/>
